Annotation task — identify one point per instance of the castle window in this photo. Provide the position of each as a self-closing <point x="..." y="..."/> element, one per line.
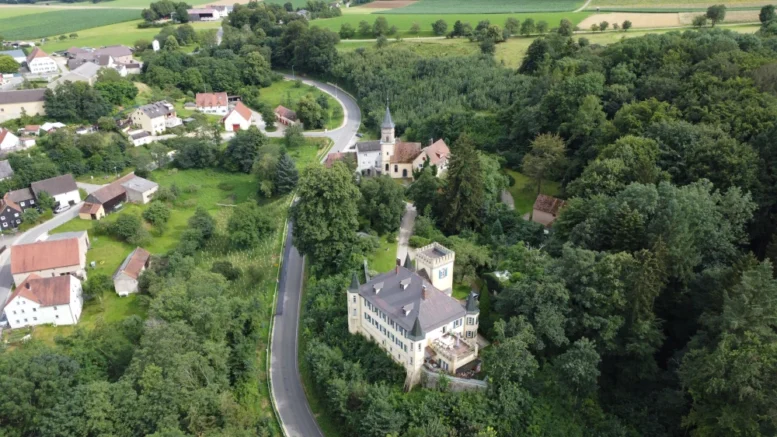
<point x="396" y="168"/>
<point x="443" y="272"/>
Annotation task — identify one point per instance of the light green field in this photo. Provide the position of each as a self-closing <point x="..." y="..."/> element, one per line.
<point x="286" y="93"/>
<point x="404" y="22"/>
<point x="13" y="11"/>
<point x="673" y="3"/>
<point x="525" y="192"/>
<point x="384" y="258"/>
<point x="127" y="4"/>
<point x="121" y="33"/>
<point x="58" y="22"/>
<point x="486" y="6"/>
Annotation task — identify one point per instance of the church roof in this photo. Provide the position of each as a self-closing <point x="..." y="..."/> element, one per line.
<point x="388" y="123"/>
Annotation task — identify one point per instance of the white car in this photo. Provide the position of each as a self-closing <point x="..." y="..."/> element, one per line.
<point x="61" y="208"/>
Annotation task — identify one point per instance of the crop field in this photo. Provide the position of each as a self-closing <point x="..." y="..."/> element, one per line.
<point x="60" y="22"/>
<point x="674" y="4"/>
<point x="14" y="11"/>
<point x="486" y="6"/>
<point x="404" y="21"/>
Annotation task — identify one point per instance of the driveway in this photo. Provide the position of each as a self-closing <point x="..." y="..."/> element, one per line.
<point x="405" y="231"/>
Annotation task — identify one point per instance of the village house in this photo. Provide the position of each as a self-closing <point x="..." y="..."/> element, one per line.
<point x="6" y="172"/>
<point x="83" y="73"/>
<point x="286" y="116"/>
<point x="155" y="118"/>
<point x="13" y="104"/>
<point x="8" y="141"/>
<point x="207" y="14"/>
<point x="239" y="118"/>
<point x="38" y="62"/>
<point x="546" y="209"/>
<point x="398" y="159"/>
<point x="10" y="212"/>
<point x="212" y="103"/>
<point x="117" y="57"/>
<point x="62" y="188"/>
<point x="129" y="188"/>
<point x="125" y="279"/>
<point x="40" y="300"/>
<point x="53" y="257"/>
<point x="410" y="313"/>
<point x="140" y="137"/>
<point x="17" y="55"/>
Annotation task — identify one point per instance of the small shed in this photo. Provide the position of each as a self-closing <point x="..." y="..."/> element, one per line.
<point x="91" y="211"/>
<point x="140" y="190"/>
<point x="125" y="280"/>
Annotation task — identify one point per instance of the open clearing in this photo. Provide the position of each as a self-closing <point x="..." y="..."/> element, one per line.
<point x="670" y="19"/>
<point x="486" y="6"/>
<point x="29" y="26"/>
<point x="673" y="4"/>
<point x="386" y="4"/>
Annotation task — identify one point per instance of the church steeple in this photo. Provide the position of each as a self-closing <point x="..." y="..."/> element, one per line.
<point x="388" y="123"/>
<point x="387" y="133"/>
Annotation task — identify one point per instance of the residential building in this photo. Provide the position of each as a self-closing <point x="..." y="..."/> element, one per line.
<point x="120" y="54"/>
<point x="51" y="127"/>
<point x="239" y="118"/>
<point x="82" y="236"/>
<point x="129" y="188"/>
<point x="23" y="198"/>
<point x="38" y="62"/>
<point x="212" y="103"/>
<point x="398" y="159"/>
<point x="15" y="103"/>
<point x="73" y="52"/>
<point x="286" y="116"/>
<point x="125" y="279"/>
<point x="140" y="137"/>
<point x="206" y="14"/>
<point x="6" y="172"/>
<point x="546" y="209"/>
<point x="8" y="141"/>
<point x="48" y="258"/>
<point x="102" y="61"/>
<point x="10" y="213"/>
<point x="17" y="55"/>
<point x="30" y="129"/>
<point x="84" y="73"/>
<point x="62" y="188"/>
<point x="406" y="313"/>
<point x="45" y="300"/>
<point x="140" y="190"/>
<point x="155" y="118"/>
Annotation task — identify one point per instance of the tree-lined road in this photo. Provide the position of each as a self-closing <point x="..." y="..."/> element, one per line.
<point x="296" y="417"/>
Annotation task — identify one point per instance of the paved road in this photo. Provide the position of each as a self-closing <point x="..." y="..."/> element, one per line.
<point x="406" y="230"/>
<point x="295" y="414"/>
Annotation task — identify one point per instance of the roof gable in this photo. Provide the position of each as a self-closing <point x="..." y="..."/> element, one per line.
<point x="54" y="186"/>
<point x="548" y="204"/>
<point x="211" y="99"/>
<point x="45" y="255"/>
<point x="405" y="152"/>
<point x="45" y="291"/>
<point x="134" y="264"/>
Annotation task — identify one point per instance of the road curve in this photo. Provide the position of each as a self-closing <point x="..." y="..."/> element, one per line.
<point x="294" y="412"/>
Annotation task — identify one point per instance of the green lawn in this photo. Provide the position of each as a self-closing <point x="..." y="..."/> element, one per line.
<point x="486" y="6"/>
<point x="461" y="291"/>
<point x="9" y="12"/>
<point x="403" y="22"/>
<point x="287" y="93"/>
<point x="308" y="154"/>
<point x="524" y="191"/>
<point x="384" y="258"/>
<point x="61" y="22"/>
<point x="121" y="33"/>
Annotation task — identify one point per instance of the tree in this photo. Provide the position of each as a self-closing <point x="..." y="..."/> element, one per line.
<point x="463" y="194"/>
<point x="424" y="191"/>
<point x="257" y="70"/>
<point x="46" y="201"/>
<point x="171" y="44"/>
<point x="325" y="216"/>
<point x="193" y="152"/>
<point x="545" y="158"/>
<point x="8" y="65"/>
<point x="118" y="91"/>
<point x="566" y="28"/>
<point x="310" y="112"/>
<point x="129" y="228"/>
<point x="381" y="42"/>
<point x="512" y="25"/>
<point x="578" y="368"/>
<point x="382" y="204"/>
<point x="595" y="27"/>
<point x="286" y="175"/>
<point x="439" y="27"/>
<point x="487" y="47"/>
<point x="242" y="149"/>
<point x="248" y="225"/>
<point x="626" y="25"/>
<point x="365" y="30"/>
<point x="415" y="28"/>
<point x="157" y="214"/>
<point x="542" y="27"/>
<point x="202" y="223"/>
<point x="716" y="14"/>
<point x="528" y="27"/>
<point x="380" y="27"/>
<point x="106" y="123"/>
<point x="268" y="116"/>
<point x="75" y="102"/>
<point x="30" y="215"/>
<point x="73" y="36"/>
<point x="347" y="31"/>
<point x="288" y="6"/>
<point x="604" y="25"/>
<point x="766" y="15"/>
<point x="699" y="21"/>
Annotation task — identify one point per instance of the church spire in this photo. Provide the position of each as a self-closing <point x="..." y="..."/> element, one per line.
<point x="388" y="123"/>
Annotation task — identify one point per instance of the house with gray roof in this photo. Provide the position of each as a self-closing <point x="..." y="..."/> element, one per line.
<point x="62" y="188"/>
<point x="155" y="118"/>
<point x="83" y="73"/>
<point x="17" y="102"/>
<point x="6" y="171"/>
<point x="410" y="313"/>
<point x="17" y="55"/>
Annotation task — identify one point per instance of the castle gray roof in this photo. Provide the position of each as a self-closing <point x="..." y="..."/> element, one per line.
<point x="368" y="146"/>
<point x="387" y="121"/>
<point x="436" y="310"/>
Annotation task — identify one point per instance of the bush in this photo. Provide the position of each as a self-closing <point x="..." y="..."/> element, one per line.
<point x="416" y="241"/>
<point x="226" y="186"/>
<point x="157" y="214"/>
<point x="226" y="269"/>
<point x="129" y="228"/>
<point x="30" y="215"/>
<point x="165" y="194"/>
<point x="248" y="225"/>
<point x="391" y="238"/>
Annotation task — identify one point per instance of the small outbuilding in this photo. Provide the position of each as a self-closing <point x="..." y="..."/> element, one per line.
<point x="546" y="209"/>
<point x="125" y="280"/>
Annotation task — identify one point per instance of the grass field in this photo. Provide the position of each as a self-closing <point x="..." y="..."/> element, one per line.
<point x="674" y="3"/>
<point x="486" y="6"/>
<point x="287" y="93"/>
<point x="10" y="12"/>
<point x="384" y="258"/>
<point x="49" y="23"/>
<point x="404" y="22"/>
<point x="525" y="192"/>
<point x="121" y="33"/>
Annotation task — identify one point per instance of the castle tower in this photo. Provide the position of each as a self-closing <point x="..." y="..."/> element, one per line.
<point x="353" y="305"/>
<point x="387" y="141"/>
<point x="437" y="261"/>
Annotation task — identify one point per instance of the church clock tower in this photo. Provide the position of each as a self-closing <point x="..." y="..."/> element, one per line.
<point x="387" y="142"/>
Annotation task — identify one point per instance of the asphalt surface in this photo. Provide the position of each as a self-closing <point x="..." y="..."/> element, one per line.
<point x="296" y="417"/>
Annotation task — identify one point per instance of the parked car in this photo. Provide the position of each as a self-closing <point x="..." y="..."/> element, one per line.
<point x="61" y="208"/>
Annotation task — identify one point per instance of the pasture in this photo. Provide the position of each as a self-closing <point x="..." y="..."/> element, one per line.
<point x="58" y="22"/>
<point x="674" y="4"/>
<point x="403" y="22"/>
<point x="486" y="6"/>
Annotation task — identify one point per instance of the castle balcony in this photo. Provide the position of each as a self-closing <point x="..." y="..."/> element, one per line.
<point x="454" y="350"/>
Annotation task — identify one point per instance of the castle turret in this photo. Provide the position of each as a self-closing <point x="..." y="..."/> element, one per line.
<point x="473" y="313"/>
<point x="353" y="305"/>
<point x="437" y="261"/>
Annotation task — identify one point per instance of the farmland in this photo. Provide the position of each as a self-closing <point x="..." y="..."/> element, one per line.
<point x="60" y="22"/>
<point x="674" y="4"/>
<point x="403" y="22"/>
<point x="486" y="6"/>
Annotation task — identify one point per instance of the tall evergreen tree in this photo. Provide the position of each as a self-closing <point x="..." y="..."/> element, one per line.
<point x="286" y="175"/>
<point x="463" y="195"/>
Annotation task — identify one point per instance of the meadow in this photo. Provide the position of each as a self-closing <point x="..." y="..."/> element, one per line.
<point x="288" y="93"/>
<point x="525" y="192"/>
<point x="58" y="22"/>
<point x="673" y="3"/>
<point x="403" y="22"/>
<point x="486" y="6"/>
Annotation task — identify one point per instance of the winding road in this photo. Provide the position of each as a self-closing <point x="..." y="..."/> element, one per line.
<point x="294" y="412"/>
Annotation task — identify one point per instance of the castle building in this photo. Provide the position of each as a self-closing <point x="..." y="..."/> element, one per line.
<point x="411" y="315"/>
<point x="398" y="159"/>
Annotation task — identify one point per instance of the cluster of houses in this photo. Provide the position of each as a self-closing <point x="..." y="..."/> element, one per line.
<point x="62" y="188"/>
<point x="235" y="115"/>
<point x="129" y="188"/>
<point x="49" y="274"/>
<point x="36" y="62"/>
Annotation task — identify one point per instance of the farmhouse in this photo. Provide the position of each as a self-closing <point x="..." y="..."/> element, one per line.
<point x="239" y="118"/>
<point x="17" y="55"/>
<point x="37" y="300"/>
<point x="83" y="73"/>
<point x="207" y="14"/>
<point x="38" y="62"/>
<point x="546" y="209"/>
<point x="125" y="279"/>
<point x="55" y="257"/>
<point x="14" y="103"/>
<point x="129" y="188"/>
<point x="155" y="118"/>
<point x="286" y="116"/>
<point x="398" y="159"/>
<point x="23" y="198"/>
<point x="409" y="314"/>
<point x="62" y="188"/>
<point x="212" y="103"/>
<point x="10" y="213"/>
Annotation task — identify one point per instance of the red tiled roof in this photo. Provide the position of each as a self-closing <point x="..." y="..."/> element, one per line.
<point x="338" y="156"/>
<point x="32" y="128"/>
<point x="36" y="53"/>
<point x="110" y="191"/>
<point x="3" y="134"/>
<point x="89" y="208"/>
<point x="211" y="99"/>
<point x="548" y="204"/>
<point x="405" y="152"/>
<point x="45" y="291"/>
<point x="134" y="264"/>
<point x="45" y="255"/>
<point x="286" y="112"/>
<point x="437" y="152"/>
<point x="243" y="110"/>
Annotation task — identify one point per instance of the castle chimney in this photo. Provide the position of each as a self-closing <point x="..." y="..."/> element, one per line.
<point x="396" y="268"/>
<point x="423" y="292"/>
